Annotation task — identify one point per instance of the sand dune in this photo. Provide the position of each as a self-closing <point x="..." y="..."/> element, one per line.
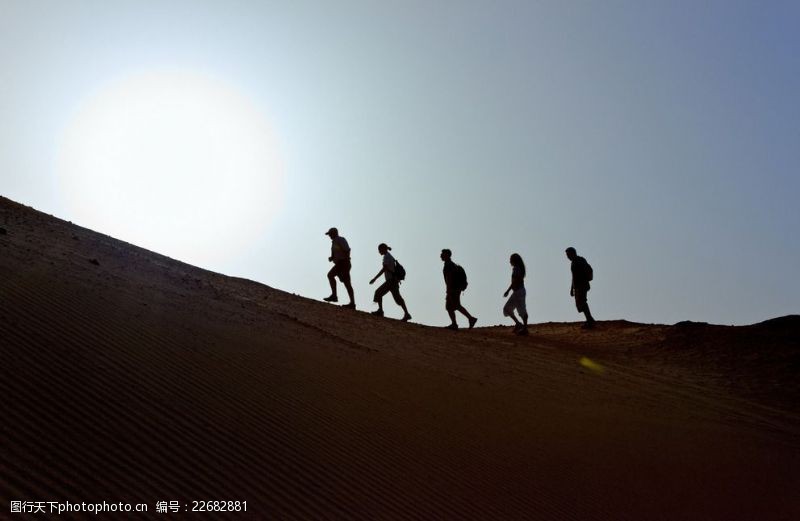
<point x="128" y="376"/>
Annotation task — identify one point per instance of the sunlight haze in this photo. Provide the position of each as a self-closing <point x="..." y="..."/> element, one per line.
<point x="660" y="139"/>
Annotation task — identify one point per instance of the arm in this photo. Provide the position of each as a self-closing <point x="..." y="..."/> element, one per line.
<point x="517" y="280"/>
<point x="378" y="275"/>
<point x="572" y="280"/>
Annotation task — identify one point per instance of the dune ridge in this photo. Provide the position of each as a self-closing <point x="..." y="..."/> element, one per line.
<point x="129" y="376"/>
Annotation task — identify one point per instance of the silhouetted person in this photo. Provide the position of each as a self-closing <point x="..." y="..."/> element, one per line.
<point x="390" y="285"/>
<point x="340" y="256"/>
<point x="581" y="275"/>
<point x="455" y="281"/>
<point x="517" y="299"/>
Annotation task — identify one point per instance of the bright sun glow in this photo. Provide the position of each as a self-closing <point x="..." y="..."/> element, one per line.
<point x="177" y="163"/>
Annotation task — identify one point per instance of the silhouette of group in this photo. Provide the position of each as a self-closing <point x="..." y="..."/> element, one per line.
<point x="455" y="280"/>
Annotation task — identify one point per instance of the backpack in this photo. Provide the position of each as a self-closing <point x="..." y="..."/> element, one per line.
<point x="589" y="272"/>
<point x="460" y="278"/>
<point x="399" y="271"/>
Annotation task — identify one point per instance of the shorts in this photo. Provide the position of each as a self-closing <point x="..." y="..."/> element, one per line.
<point x="341" y="269"/>
<point x="516" y="301"/>
<point x="390" y="286"/>
<point x="453" y="300"/>
<point x="580" y="299"/>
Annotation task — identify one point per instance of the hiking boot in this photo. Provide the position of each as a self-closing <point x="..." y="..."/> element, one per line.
<point x="351" y="305"/>
<point x="406" y="317"/>
<point x="523" y="331"/>
<point x="377" y="313"/>
<point x="588" y="325"/>
<point x="517" y="327"/>
<point x="472" y="322"/>
<point x="454" y="327"/>
<point x="332" y="298"/>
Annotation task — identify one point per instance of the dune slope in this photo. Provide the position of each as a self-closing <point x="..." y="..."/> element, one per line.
<point x="128" y="376"/>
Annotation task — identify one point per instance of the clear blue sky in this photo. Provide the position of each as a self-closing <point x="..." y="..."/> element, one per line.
<point x="661" y="139"/>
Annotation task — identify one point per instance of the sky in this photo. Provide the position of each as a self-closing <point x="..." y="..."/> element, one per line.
<point x="659" y="138"/>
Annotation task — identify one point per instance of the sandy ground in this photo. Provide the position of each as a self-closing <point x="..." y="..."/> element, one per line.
<point x="128" y="376"/>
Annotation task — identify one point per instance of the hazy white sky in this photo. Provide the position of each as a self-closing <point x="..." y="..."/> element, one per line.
<point x="661" y="139"/>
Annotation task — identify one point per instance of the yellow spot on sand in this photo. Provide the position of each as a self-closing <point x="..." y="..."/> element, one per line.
<point x="592" y="366"/>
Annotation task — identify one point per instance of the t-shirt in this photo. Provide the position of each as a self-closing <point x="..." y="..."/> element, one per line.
<point x="579" y="270"/>
<point x="449" y="270"/>
<point x="388" y="265"/>
<point x="340" y="250"/>
<point x="517" y="278"/>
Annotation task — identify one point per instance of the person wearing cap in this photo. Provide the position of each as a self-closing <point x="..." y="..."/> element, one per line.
<point x="390" y="284"/>
<point x="581" y="275"/>
<point x="340" y="257"/>
<point x="453" y="290"/>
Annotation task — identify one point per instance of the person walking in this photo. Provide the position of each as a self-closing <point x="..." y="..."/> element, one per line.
<point x="582" y="273"/>
<point x="455" y="280"/>
<point x="340" y="257"/>
<point x="517" y="299"/>
<point x="391" y="283"/>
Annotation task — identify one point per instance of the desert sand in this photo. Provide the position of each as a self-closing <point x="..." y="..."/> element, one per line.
<point x="129" y="376"/>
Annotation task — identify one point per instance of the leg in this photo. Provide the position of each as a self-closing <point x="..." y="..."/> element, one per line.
<point x="523" y="314"/>
<point x="470" y="318"/>
<point x="349" y="288"/>
<point x="453" y="322"/>
<point x="463" y="311"/>
<point x="344" y="276"/>
<point x="382" y="290"/>
<point x="583" y="307"/>
<point x="588" y="314"/>
<point x="451" y="304"/>
<point x="332" y="280"/>
<point x="398" y="299"/>
<point x="401" y="302"/>
<point x="508" y="310"/>
<point x="454" y="301"/>
<point x="517" y="324"/>
<point x="522" y="308"/>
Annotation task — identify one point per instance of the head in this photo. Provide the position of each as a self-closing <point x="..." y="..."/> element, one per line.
<point x="332" y="233"/>
<point x="383" y="248"/>
<point x="571" y="253"/>
<point x="446" y="254"/>
<point x="516" y="261"/>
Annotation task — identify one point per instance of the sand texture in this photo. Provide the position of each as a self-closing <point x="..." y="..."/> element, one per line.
<point x="128" y="376"/>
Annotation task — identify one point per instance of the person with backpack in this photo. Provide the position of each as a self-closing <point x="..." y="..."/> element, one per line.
<point x="455" y="280"/>
<point x="393" y="272"/>
<point x="517" y="299"/>
<point x="582" y="273"/>
<point x="340" y="257"/>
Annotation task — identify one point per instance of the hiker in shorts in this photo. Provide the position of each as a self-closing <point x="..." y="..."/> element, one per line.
<point x="455" y="281"/>
<point x="390" y="284"/>
<point x="517" y="299"/>
<point x="340" y="257"/>
<point x="581" y="275"/>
